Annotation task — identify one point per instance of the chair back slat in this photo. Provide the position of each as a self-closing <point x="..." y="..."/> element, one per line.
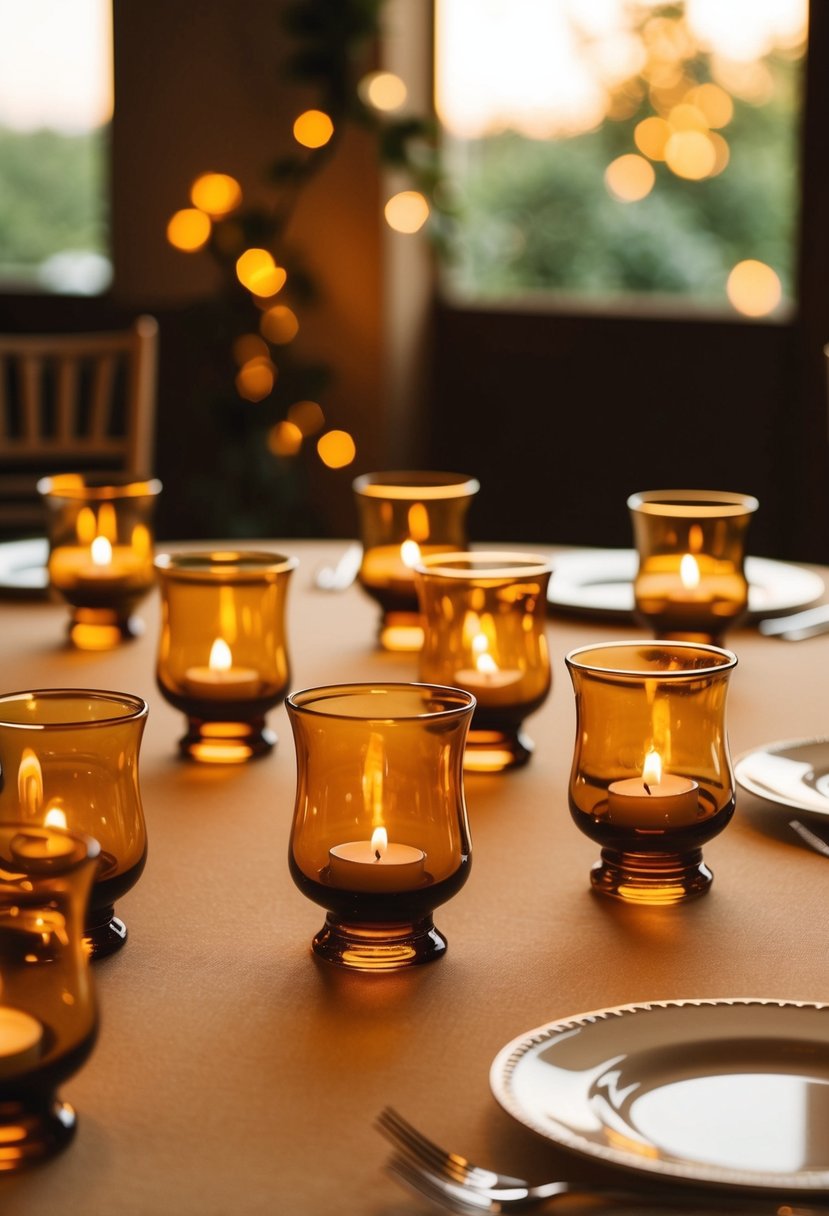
<point x="103" y="380"/>
<point x="66" y="399"/>
<point x="31" y="402"/>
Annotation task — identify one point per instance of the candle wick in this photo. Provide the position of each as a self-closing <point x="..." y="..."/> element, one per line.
<point x="647" y="787"/>
<point x="377" y="854"/>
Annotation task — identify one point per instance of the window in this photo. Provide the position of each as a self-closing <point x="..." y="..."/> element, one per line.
<point x="55" y="109"/>
<point x="609" y="148"/>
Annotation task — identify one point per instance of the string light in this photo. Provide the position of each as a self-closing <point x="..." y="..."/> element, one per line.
<point x="313" y="129"/>
<point x="189" y="229"/>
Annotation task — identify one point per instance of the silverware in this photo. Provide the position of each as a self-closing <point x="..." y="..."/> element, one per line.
<point x="455" y="1183"/>
<point x="811" y="838"/>
<point x="341" y="575"/>
<point x="797" y="626"/>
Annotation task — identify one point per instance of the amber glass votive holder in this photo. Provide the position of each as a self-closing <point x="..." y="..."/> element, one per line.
<point x="100" y="553"/>
<point x="691" y="583"/>
<point x="405" y="516"/>
<point x="48" y="1015"/>
<point x="484" y="618"/>
<point x="380" y="835"/>
<point x="69" y="757"/>
<point x="223" y="654"/>
<point x="651" y="780"/>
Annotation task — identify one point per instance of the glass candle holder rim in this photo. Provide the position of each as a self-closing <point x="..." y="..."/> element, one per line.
<point x="415" y="485"/>
<point x="465" y="701"/>
<point x="722" y="659"/>
<point x="696" y="504"/>
<point x="218" y="565"/>
<point x="495" y="564"/>
<point x="139" y="708"/>
<point x="59" y="863"/>
<point x="100" y="487"/>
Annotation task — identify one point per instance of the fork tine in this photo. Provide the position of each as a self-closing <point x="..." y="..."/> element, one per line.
<point x="418" y="1146"/>
<point x="426" y="1153"/>
<point x="440" y="1191"/>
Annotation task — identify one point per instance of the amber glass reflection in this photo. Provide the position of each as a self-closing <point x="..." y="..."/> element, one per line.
<point x="690" y="582"/>
<point x="484" y="618"/>
<point x="380" y="836"/>
<point x="48" y="1017"/>
<point x="403" y="517"/>
<point x="100" y="553"/>
<point x="223" y="655"/>
<point x="651" y="780"/>
<point x="70" y="759"/>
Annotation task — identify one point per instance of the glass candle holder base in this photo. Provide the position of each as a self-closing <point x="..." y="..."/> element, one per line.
<point x="226" y="742"/>
<point x="31" y="1132"/>
<point x="401" y="632"/>
<point x="378" y="947"/>
<point x="102" y="628"/>
<point x="496" y="751"/>
<point x="104" y="932"/>
<point x="655" y="879"/>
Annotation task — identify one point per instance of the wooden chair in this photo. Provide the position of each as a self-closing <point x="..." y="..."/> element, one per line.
<point x="73" y="403"/>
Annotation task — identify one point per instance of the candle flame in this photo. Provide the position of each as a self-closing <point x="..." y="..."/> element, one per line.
<point x="55" y="817"/>
<point x="689" y="572"/>
<point x="220" y="657"/>
<point x="410" y="553"/>
<point x="379" y="842"/>
<point x="30" y="781"/>
<point x="484" y="662"/>
<point x="101" y="551"/>
<point x="652" y="771"/>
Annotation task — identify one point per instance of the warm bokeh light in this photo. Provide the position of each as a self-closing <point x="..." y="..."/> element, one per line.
<point x="383" y="90"/>
<point x="308" y="416"/>
<point x="250" y="346"/>
<point x="552" y="68"/>
<point x="753" y="288"/>
<point x="216" y="193"/>
<point x="313" y="129"/>
<point x="722" y="152"/>
<point x="189" y="229"/>
<point x="651" y="135"/>
<point x="407" y="211"/>
<point x="714" y="103"/>
<point x="255" y="379"/>
<point x="629" y="178"/>
<point x="257" y="271"/>
<point x="279" y="324"/>
<point x="284" y="439"/>
<point x="690" y="154"/>
<point x="686" y="117"/>
<point x="336" y="449"/>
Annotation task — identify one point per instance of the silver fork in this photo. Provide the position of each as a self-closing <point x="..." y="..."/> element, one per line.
<point x="453" y="1182"/>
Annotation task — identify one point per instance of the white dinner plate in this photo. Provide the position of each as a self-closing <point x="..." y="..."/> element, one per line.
<point x="728" y="1092"/>
<point x="23" y="566"/>
<point x="599" y="582"/>
<point x="794" y="773"/>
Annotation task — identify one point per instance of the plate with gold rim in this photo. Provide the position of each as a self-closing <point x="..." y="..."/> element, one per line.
<point x="729" y="1092"/>
<point x="599" y="582"/>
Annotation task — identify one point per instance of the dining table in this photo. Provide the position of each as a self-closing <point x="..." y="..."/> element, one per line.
<point x="237" y="1074"/>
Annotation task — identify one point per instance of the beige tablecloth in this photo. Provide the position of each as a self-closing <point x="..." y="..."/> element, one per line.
<point x="236" y="1075"/>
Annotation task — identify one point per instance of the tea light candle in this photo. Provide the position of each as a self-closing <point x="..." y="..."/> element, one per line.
<point x="653" y="800"/>
<point x="391" y="566"/>
<point x="20" y="1039"/>
<point x="486" y="679"/>
<point x="220" y="680"/>
<point x="97" y="565"/>
<point x="375" y="865"/>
